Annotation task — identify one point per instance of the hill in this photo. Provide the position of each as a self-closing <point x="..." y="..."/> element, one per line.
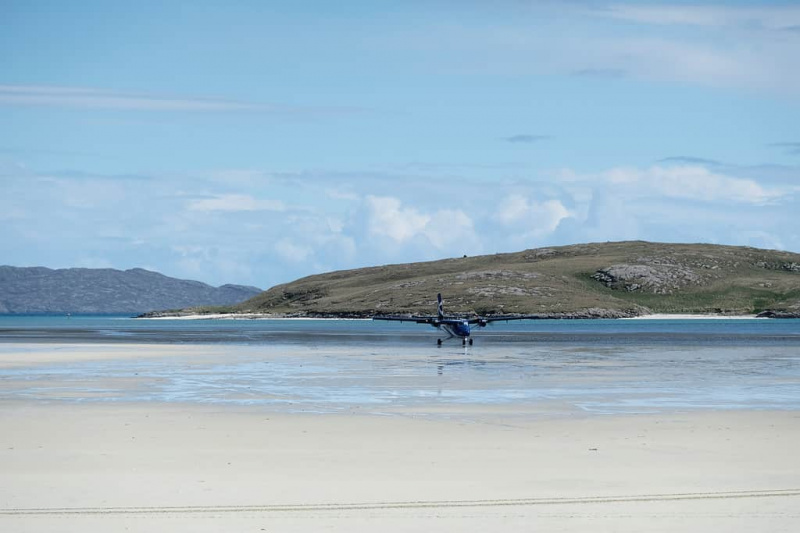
<point x="587" y="280"/>
<point x="85" y="290"/>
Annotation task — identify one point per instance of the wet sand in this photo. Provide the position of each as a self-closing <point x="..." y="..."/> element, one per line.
<point x="74" y="465"/>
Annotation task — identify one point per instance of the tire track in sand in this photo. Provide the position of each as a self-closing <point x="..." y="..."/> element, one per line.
<point x="366" y="506"/>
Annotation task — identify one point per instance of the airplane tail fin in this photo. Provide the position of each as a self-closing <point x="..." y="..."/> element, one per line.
<point x="440" y="310"/>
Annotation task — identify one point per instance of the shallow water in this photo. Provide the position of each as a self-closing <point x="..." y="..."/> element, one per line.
<point x="536" y="368"/>
<point x="122" y="329"/>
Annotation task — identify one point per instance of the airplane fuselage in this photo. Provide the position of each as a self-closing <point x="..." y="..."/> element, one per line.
<point x="456" y="328"/>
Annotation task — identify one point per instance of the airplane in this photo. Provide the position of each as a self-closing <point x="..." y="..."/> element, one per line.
<point x="454" y="326"/>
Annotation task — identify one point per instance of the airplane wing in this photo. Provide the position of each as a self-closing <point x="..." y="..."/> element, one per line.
<point x="417" y="319"/>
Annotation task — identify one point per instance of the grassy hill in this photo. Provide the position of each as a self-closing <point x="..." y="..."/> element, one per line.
<point x="586" y="280"/>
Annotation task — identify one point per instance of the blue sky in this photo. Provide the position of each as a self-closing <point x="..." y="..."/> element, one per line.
<point x="257" y="142"/>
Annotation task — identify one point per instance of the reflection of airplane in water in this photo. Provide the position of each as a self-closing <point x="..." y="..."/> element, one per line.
<point x="454" y="326"/>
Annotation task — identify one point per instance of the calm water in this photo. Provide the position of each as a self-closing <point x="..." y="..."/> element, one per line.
<point x="125" y="329"/>
<point x="537" y="368"/>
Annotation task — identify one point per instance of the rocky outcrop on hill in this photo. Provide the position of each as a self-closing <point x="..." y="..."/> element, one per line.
<point x="788" y="310"/>
<point x="84" y="290"/>
<point x="658" y="279"/>
<point x="787" y="266"/>
<point x="779" y="314"/>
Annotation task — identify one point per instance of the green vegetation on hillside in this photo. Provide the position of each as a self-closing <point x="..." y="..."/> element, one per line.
<point x="586" y="280"/>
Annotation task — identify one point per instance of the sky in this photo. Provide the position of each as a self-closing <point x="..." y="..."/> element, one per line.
<point x="257" y="142"/>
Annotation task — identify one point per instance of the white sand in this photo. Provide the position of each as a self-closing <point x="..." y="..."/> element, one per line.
<point x="231" y="469"/>
<point x="170" y="467"/>
<point x="665" y="316"/>
<point x="18" y="355"/>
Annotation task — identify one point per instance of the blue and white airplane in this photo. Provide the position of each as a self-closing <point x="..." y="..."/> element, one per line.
<point x="454" y="326"/>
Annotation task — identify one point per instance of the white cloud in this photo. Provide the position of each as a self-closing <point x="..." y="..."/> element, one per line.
<point x="690" y="182"/>
<point x="240" y="177"/>
<point x="450" y="228"/>
<point x="337" y="194"/>
<point x="95" y="98"/>
<point x="388" y="218"/>
<point x="335" y="225"/>
<point x="89" y="98"/>
<point x="123" y="224"/>
<point x="700" y="183"/>
<point x="713" y="46"/>
<point x="767" y="17"/>
<point x="235" y="202"/>
<point x="531" y="218"/>
<point x="663" y="59"/>
<point x="293" y="252"/>
<point x="513" y="209"/>
<point x="443" y="229"/>
<point x="618" y="175"/>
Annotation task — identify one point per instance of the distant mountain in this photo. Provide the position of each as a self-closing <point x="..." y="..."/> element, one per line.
<point x="89" y="290"/>
<point x="597" y="280"/>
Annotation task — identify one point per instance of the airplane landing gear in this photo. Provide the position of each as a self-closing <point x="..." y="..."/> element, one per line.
<point x="470" y="342"/>
<point x="463" y="342"/>
<point x="438" y="342"/>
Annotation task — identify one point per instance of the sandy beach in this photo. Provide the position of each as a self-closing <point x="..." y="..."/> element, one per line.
<point x="678" y="316"/>
<point x="169" y="466"/>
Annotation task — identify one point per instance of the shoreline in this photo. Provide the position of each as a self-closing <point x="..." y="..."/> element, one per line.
<point x="241" y="316"/>
<point x="267" y="316"/>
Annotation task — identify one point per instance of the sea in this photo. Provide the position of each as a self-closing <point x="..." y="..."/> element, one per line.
<point x="534" y="367"/>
